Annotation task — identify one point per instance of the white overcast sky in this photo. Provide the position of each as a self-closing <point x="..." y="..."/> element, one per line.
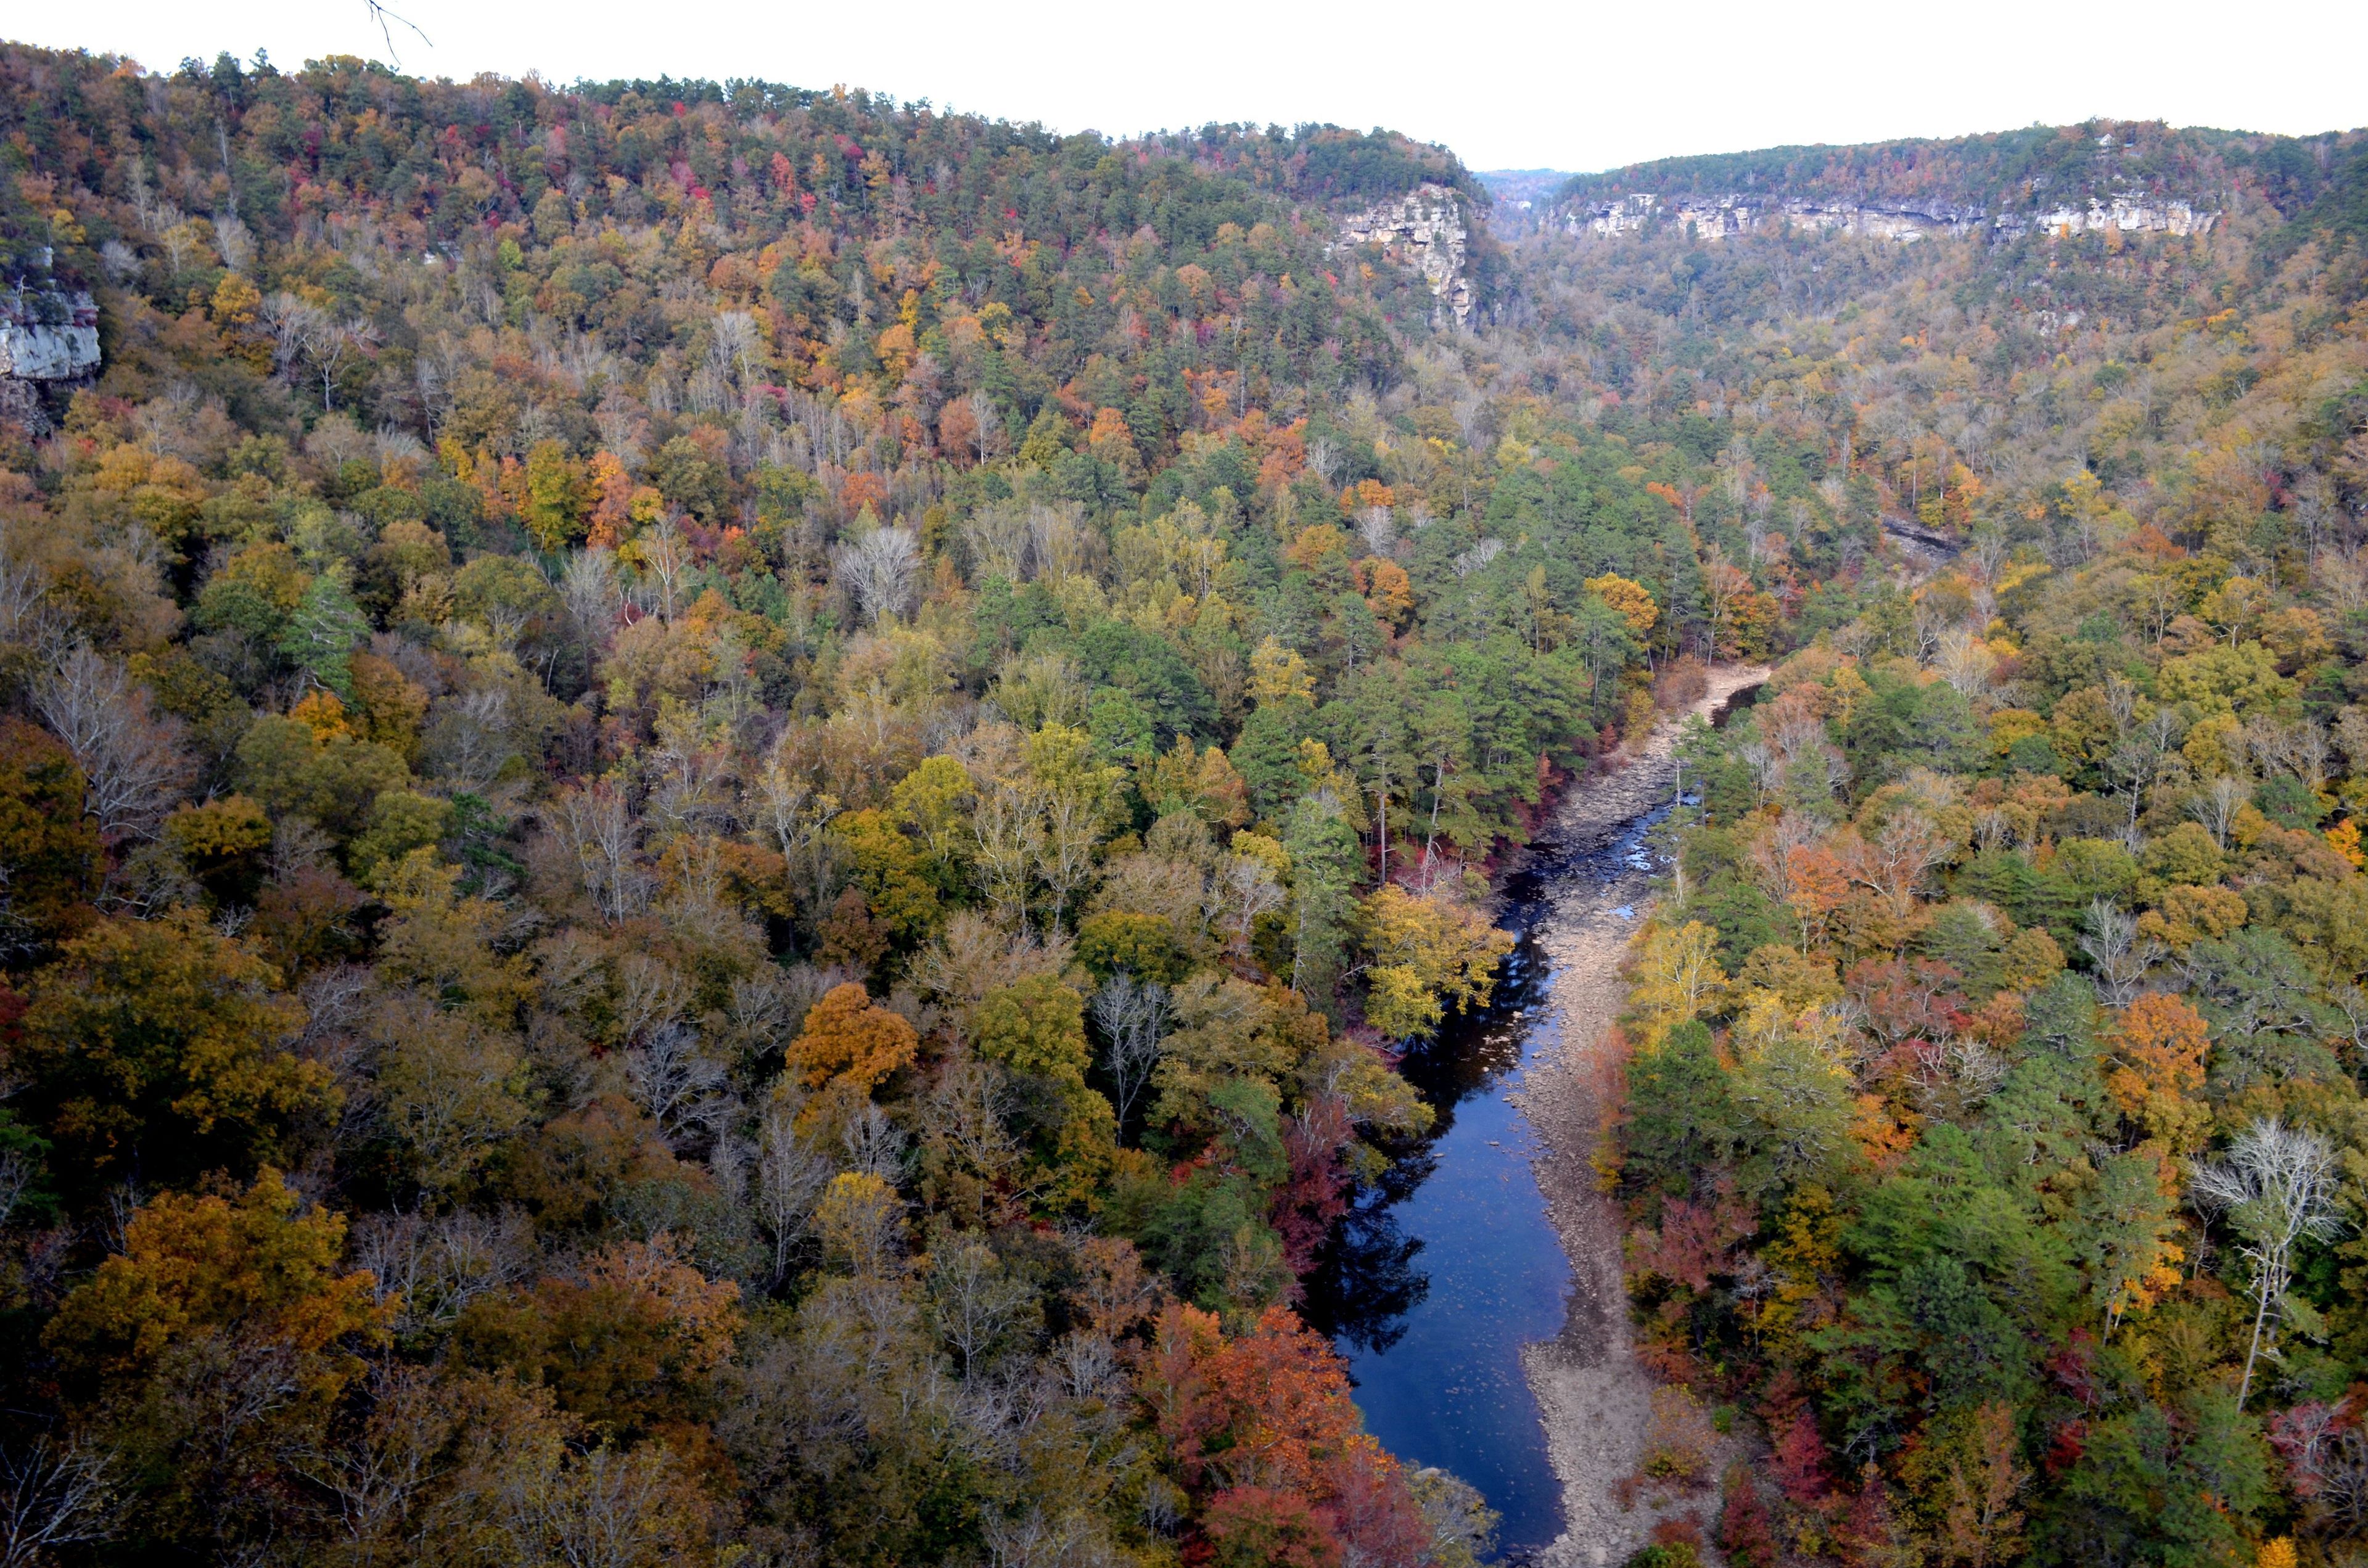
<point x="1578" y="87"/>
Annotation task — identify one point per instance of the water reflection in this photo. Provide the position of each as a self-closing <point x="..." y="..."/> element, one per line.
<point x="1368" y="1280"/>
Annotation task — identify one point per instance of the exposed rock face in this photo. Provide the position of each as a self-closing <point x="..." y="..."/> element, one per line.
<point x="51" y="336"/>
<point x="48" y="335"/>
<point x="1715" y="218"/>
<point x="1425" y="230"/>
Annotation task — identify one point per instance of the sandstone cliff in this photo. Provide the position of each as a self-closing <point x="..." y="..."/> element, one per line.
<point x="1716" y="218"/>
<point x="1425" y="229"/>
<point x="48" y="336"/>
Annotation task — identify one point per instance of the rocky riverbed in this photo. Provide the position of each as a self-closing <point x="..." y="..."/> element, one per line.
<point x="1596" y="1399"/>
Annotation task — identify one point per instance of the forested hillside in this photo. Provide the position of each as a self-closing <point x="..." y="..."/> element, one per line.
<point x="2039" y="166"/>
<point x="720" y="804"/>
<point x="1993" y="1143"/>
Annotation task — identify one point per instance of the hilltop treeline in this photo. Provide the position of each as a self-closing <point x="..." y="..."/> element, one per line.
<point x="2042" y="167"/>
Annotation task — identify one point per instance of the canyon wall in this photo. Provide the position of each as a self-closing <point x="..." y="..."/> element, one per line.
<point x="49" y="337"/>
<point x="1715" y="218"/>
<point x="1426" y="230"/>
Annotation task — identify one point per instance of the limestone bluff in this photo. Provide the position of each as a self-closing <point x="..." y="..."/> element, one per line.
<point x="1714" y="218"/>
<point x="1425" y="229"/>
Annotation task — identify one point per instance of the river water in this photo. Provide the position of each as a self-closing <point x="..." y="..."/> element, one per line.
<point x="1433" y="1285"/>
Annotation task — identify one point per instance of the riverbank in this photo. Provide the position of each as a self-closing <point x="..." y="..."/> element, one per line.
<point x="1596" y="1399"/>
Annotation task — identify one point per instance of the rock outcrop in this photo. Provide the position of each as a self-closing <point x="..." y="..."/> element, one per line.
<point x="1714" y="218"/>
<point x="1424" y="229"/>
<point x="49" y="337"/>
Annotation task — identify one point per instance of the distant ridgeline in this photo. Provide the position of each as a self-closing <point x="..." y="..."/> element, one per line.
<point x="2100" y="178"/>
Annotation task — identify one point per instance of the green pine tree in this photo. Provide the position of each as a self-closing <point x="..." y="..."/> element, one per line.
<point x="321" y="632"/>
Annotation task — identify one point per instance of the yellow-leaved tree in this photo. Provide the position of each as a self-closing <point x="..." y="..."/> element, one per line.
<point x="1677" y="979"/>
<point x="1635" y="606"/>
<point x="164" y="1043"/>
<point x="1426" y="952"/>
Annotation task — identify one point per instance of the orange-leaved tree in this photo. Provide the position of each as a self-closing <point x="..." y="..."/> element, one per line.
<point x="213" y="1351"/>
<point x="849" y="1039"/>
<point x="1266" y="1437"/>
<point x="2156" y="1069"/>
<point x="631" y="1345"/>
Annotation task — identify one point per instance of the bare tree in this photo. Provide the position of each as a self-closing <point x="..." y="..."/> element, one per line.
<point x="651" y="994"/>
<point x="599" y="1509"/>
<point x="737" y="344"/>
<point x="468" y="736"/>
<point x="879" y="571"/>
<point x="1324" y="457"/>
<point x="52" y="1495"/>
<point x="1243" y="890"/>
<point x="380" y="1477"/>
<point x="975" y="1303"/>
<point x="2345" y="580"/>
<point x="2216" y="807"/>
<point x="23" y="586"/>
<point x="588" y="588"/>
<point x="1965" y="662"/>
<point x="2299" y="748"/>
<point x="677" y="1083"/>
<point x="997" y="535"/>
<point x="16" y="1174"/>
<point x="235" y="240"/>
<point x="1038" y="1540"/>
<point x="689" y="777"/>
<point x="1892" y="865"/>
<point x="791" y="1176"/>
<point x="785" y="808"/>
<point x="302" y="330"/>
<point x="666" y="557"/>
<point x="875" y="1145"/>
<point x="133" y="764"/>
<point x="1461" y="1524"/>
<point x="1009" y="838"/>
<point x="598" y="827"/>
<point x="2277" y="1187"/>
<point x="2121" y="956"/>
<point x="429" y="1269"/>
<point x="1928" y="625"/>
<point x="1478" y="557"/>
<point x="1133" y="1015"/>
<point x="1767" y="769"/>
<point x="1062" y="543"/>
<point x="989" y="424"/>
<point x="2327" y="1455"/>
<point x="2141" y="759"/>
<point x="293" y="325"/>
<point x="1074" y="816"/>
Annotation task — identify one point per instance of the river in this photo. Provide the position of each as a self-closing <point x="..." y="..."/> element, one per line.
<point x="1437" y="1283"/>
<point x="1452" y="1265"/>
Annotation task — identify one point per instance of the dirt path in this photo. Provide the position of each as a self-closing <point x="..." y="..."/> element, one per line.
<point x="1594" y="1396"/>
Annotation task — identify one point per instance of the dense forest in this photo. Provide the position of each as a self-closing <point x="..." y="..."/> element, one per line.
<point x="721" y="805"/>
<point x="2278" y="178"/>
<point x="1993" y="1145"/>
<point x="722" y="808"/>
